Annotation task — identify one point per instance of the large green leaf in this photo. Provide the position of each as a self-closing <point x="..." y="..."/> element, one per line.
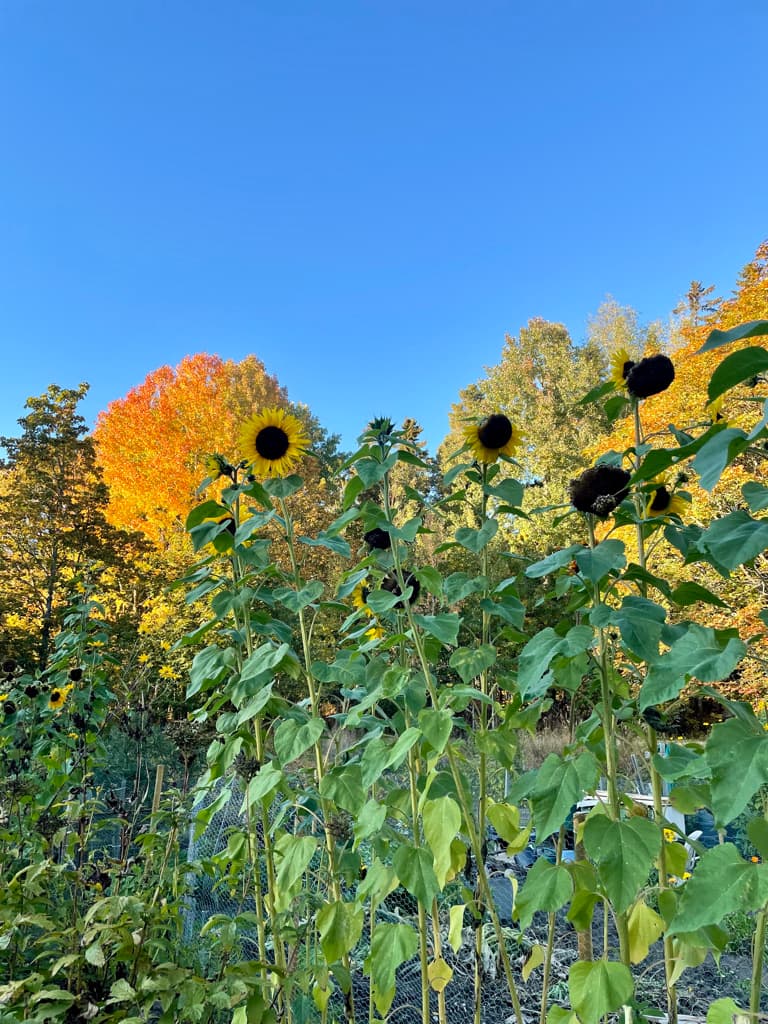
<point x="470" y="662"/>
<point x="756" y="495"/>
<point x="459" y="585"/>
<point x="436" y="727"/>
<point x="344" y="785"/>
<point x="623" y="852"/>
<point x="295" y="600"/>
<point x="538" y="653"/>
<point x="553" y="562"/>
<point x="442" y="821"/>
<point x="444" y="628"/>
<point x="700" y="653"/>
<point x="722" y="883"/>
<point x="689" y="593"/>
<point x="476" y="540"/>
<point x="640" y="623"/>
<point x="595" y="563"/>
<point x="415" y="869"/>
<point x="340" y="925"/>
<point x="209" y="668"/>
<point x="737" y="754"/>
<point x="293" y="738"/>
<point x="547" y="887"/>
<point x="719" y="451"/>
<point x="599" y="988"/>
<point x="735" y="368"/>
<point x="733" y="540"/>
<point x="293" y="856"/>
<point x="558" y="785"/>
<point x="752" y="329"/>
<point x="392" y="945"/>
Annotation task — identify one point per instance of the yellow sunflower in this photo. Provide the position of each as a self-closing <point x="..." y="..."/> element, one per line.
<point x="621" y="364"/>
<point x="166" y="672"/>
<point x="664" y="502"/>
<point x="715" y="409"/>
<point x="375" y="633"/>
<point x="492" y="437"/>
<point x="359" y="594"/>
<point x="272" y="441"/>
<point x="58" y="697"/>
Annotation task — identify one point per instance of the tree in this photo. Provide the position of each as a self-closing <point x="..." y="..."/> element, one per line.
<point x="685" y="404"/>
<point x="538" y="382"/>
<point x="52" y="521"/>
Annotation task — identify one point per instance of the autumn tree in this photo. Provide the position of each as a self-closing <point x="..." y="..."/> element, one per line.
<point x="685" y="405"/>
<point x="154" y="443"/>
<point x="52" y="520"/>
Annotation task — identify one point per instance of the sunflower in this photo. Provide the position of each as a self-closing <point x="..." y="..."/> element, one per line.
<point x="650" y="376"/>
<point x="621" y="364"/>
<point x="166" y="672"/>
<point x="359" y="595"/>
<point x="58" y="697"/>
<point x="715" y="409"/>
<point x="391" y="584"/>
<point x="663" y="502"/>
<point x="375" y="633"/>
<point x="272" y="441"/>
<point x="216" y="465"/>
<point x="599" y="490"/>
<point x="492" y="437"/>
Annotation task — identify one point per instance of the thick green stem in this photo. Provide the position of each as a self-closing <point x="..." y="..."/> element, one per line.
<point x="656" y="782"/>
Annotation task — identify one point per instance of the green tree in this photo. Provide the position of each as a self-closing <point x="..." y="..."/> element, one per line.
<point x="52" y="502"/>
<point x="538" y="382"/>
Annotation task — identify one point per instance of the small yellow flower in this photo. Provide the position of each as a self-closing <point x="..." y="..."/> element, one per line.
<point x="670" y="835"/>
<point x="755" y="860"/>
<point x="375" y="633"/>
<point x="166" y="672"/>
<point x="165" y="646"/>
<point x="686" y="875"/>
<point x="143" y="659"/>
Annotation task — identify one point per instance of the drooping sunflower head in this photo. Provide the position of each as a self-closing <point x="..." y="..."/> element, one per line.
<point x="650" y="376"/>
<point x="491" y="437"/>
<point x="378" y="539"/>
<point x="621" y="364"/>
<point x="599" y="490"/>
<point x="272" y="441"/>
<point x="391" y="584"/>
<point x="216" y="465"/>
<point x="663" y="501"/>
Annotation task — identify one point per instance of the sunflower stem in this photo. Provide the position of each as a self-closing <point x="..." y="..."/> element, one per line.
<point x="656" y="782"/>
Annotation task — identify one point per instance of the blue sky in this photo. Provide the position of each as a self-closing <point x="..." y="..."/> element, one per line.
<point x="367" y="194"/>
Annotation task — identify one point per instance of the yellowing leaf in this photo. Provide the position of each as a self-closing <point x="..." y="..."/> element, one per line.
<point x="439" y="974"/>
<point x="645" y="927"/>
<point x="456" y="917"/>
<point x="536" y="959"/>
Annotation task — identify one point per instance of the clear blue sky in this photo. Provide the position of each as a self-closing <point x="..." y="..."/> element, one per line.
<point x="365" y="193"/>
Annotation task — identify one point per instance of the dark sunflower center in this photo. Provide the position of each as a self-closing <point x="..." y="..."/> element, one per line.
<point x="495" y="431"/>
<point x="626" y="368"/>
<point x="55" y="696"/>
<point x="661" y="500"/>
<point x="272" y="443"/>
